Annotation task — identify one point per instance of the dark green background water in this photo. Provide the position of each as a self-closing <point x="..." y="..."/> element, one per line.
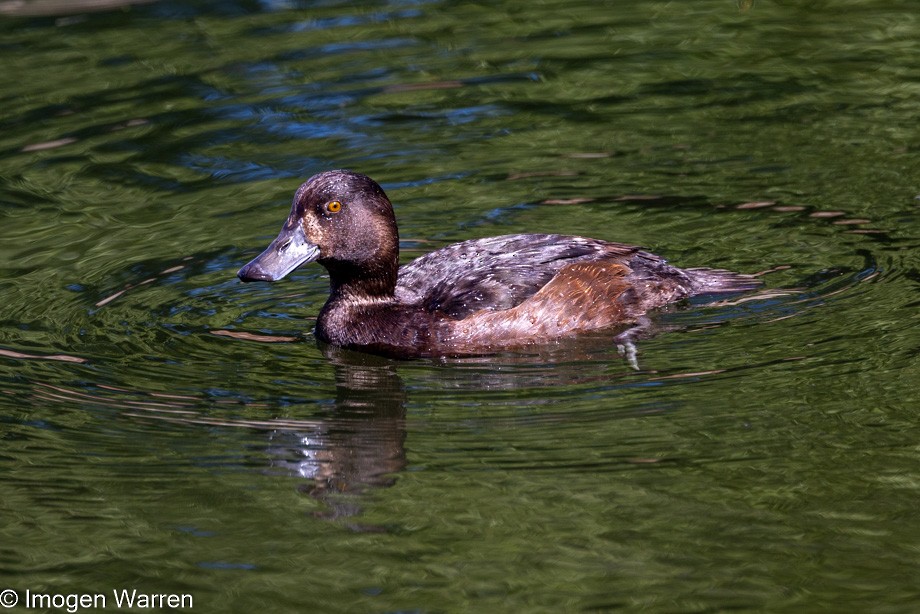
<point x="764" y="457"/>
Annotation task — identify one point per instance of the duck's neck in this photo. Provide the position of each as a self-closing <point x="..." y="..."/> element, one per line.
<point x="346" y="319"/>
<point x="359" y="283"/>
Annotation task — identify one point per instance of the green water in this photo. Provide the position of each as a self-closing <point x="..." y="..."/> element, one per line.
<point x="764" y="456"/>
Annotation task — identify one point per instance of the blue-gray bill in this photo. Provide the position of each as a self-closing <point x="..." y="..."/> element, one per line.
<point x="287" y="252"/>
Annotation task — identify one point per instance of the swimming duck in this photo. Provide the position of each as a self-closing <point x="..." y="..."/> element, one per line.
<point x="474" y="297"/>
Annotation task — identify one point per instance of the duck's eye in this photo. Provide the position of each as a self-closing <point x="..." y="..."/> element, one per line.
<point x="333" y="206"/>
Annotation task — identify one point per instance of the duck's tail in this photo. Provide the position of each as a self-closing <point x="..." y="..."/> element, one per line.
<point x="720" y="281"/>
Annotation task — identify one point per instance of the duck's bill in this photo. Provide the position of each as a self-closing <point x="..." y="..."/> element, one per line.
<point x="290" y="250"/>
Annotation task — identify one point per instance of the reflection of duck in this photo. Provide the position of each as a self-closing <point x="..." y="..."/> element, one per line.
<point x="472" y="297"/>
<point x="360" y="444"/>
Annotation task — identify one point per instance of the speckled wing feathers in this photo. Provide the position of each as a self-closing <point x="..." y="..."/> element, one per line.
<point x="496" y="273"/>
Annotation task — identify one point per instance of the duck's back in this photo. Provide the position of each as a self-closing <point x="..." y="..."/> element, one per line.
<point x="496" y="273"/>
<point x="500" y="273"/>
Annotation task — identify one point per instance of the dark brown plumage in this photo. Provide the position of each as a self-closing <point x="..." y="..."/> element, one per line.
<point x="472" y="297"/>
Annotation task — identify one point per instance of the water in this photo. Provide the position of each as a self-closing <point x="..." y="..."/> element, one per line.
<point x="169" y="429"/>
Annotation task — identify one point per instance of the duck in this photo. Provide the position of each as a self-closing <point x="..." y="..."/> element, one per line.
<point x="475" y="297"/>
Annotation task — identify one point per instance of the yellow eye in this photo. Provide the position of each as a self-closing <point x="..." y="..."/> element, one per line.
<point x="334" y="206"/>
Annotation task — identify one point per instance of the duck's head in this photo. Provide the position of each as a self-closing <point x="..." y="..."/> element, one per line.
<point x="344" y="221"/>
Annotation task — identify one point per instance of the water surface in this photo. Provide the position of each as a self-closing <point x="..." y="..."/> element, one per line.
<point x="167" y="428"/>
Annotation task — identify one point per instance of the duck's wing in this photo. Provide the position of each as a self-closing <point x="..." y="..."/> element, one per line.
<point x="496" y="273"/>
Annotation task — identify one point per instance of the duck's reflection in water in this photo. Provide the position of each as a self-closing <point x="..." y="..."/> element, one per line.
<point x="360" y="445"/>
<point x="357" y="444"/>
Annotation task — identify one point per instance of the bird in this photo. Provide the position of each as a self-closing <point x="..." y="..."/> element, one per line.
<point x="475" y="297"/>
